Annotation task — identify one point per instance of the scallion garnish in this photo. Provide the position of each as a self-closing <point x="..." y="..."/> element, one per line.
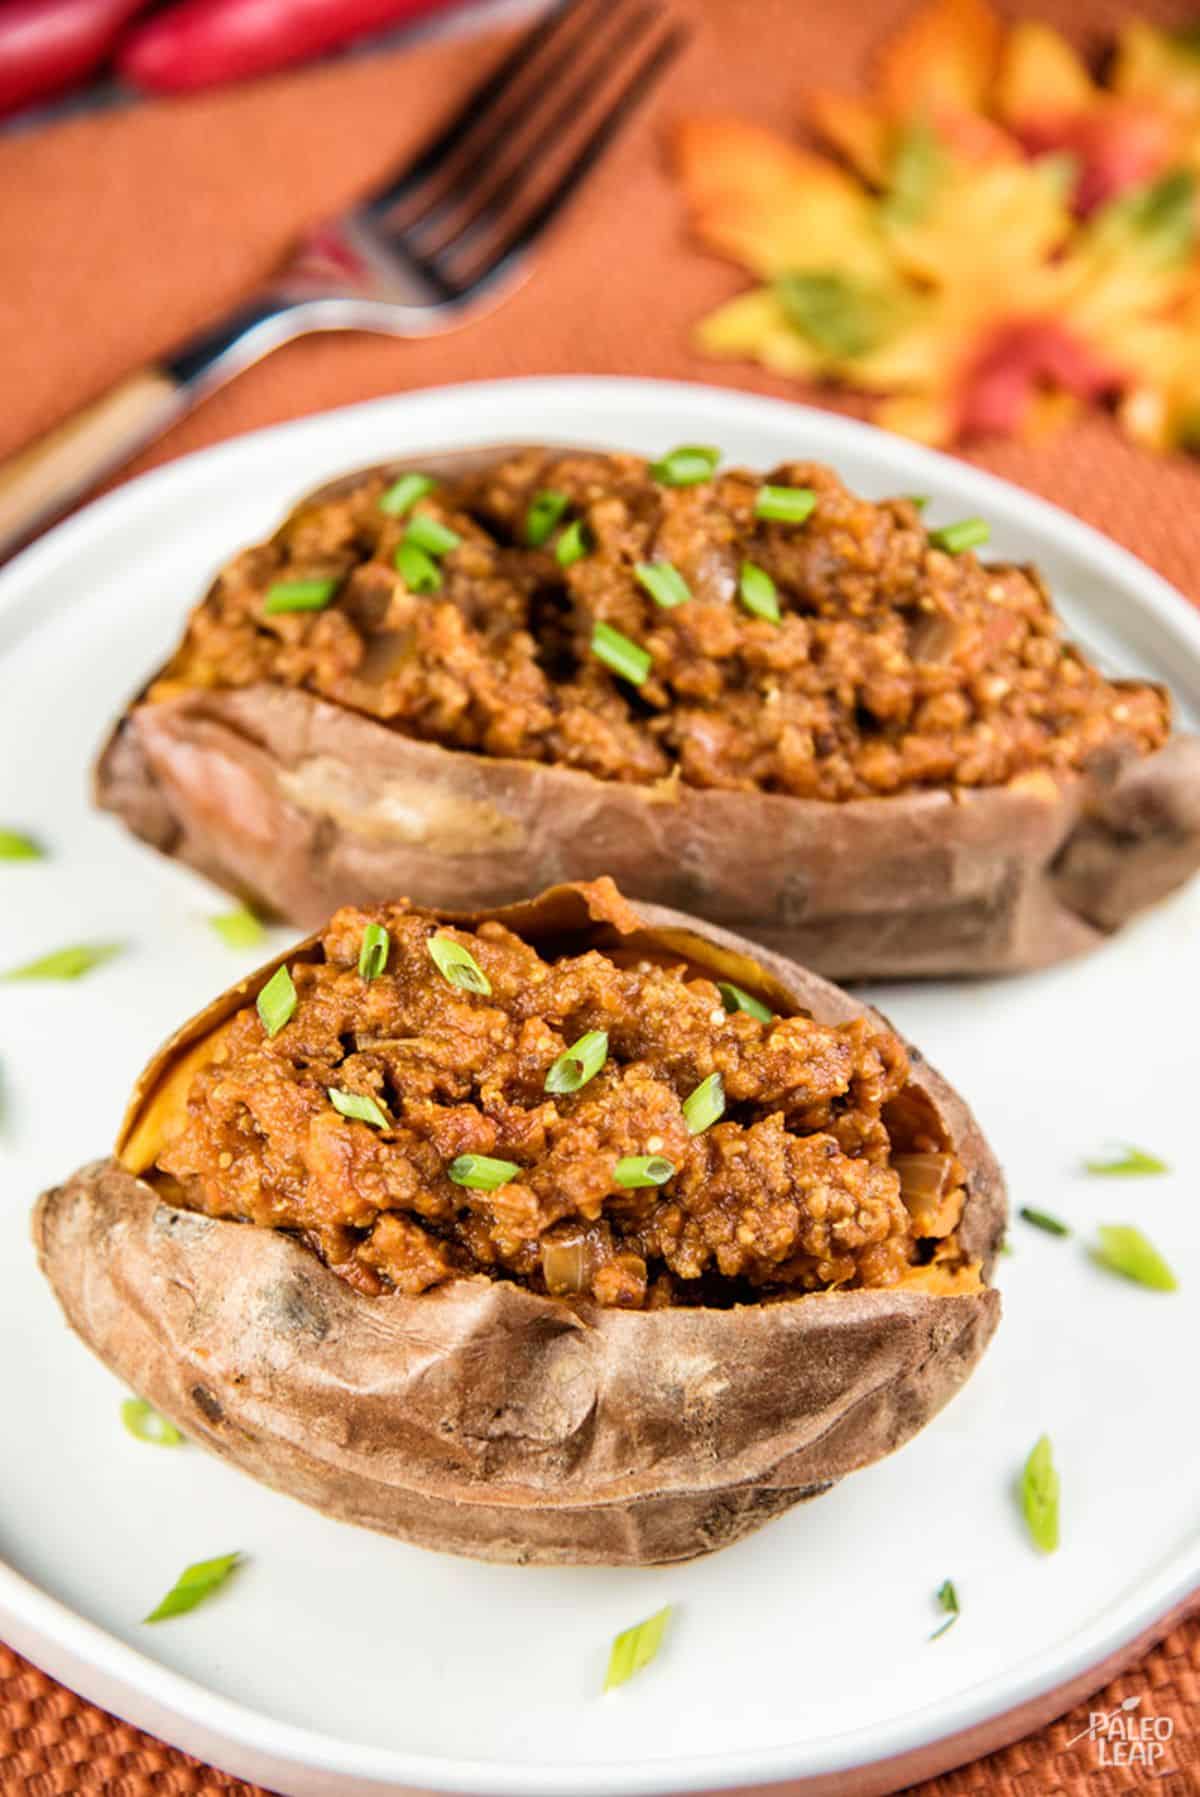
<point x="574" y="543"/>
<point x="16" y="847"/>
<point x="578" y="1064"/>
<point x="545" y="510"/>
<point x="627" y="659"/>
<point x="404" y="493"/>
<point x="703" y="1106"/>
<point x="918" y="500"/>
<point x="643" y="1170"/>
<point x="664" y="583"/>
<point x="1125" y="1250"/>
<point x="458" y="965"/>
<point x="1039" y="1496"/>
<point x="417" y="568"/>
<point x="373" y="955"/>
<point x="146" y="1423"/>
<point x="429" y="534"/>
<point x="634" y="1648"/>
<point x="1041" y="1219"/>
<point x="756" y="590"/>
<point x="358" y="1107"/>
<point x="277" y="1001"/>
<point x="734" y="998"/>
<point x="686" y="466"/>
<point x="238" y="929"/>
<point x="481" y="1173"/>
<point x="947" y="1598"/>
<point x="193" y="1585"/>
<point x="67" y="963"/>
<point x="1132" y="1164"/>
<point x="298" y="595"/>
<point x="968" y="533"/>
<point x="784" y="505"/>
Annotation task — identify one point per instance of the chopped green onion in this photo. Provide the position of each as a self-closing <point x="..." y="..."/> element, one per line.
<point x="947" y="1598"/>
<point x="705" y="1104"/>
<point x="1133" y="1163"/>
<point x="918" y="500"/>
<point x="643" y="1170"/>
<point x="458" y="965"/>
<point x="734" y="998"/>
<point x="358" y="1107"/>
<point x="634" y="1648"/>
<point x="144" y="1422"/>
<point x="664" y="583"/>
<point x="756" y="590"/>
<point x="574" y="543"/>
<point x="1124" y="1249"/>
<point x="968" y="533"/>
<point x="1041" y="1219"/>
<point x="545" y="510"/>
<point x="298" y="595"/>
<point x="15" y="847"/>
<point x="431" y="535"/>
<point x="578" y="1064"/>
<point x="420" y="572"/>
<point x="784" y="505"/>
<point x="373" y="955"/>
<point x="193" y="1585"/>
<point x="277" y="1001"/>
<point x="686" y="466"/>
<point x="238" y="929"/>
<point x="67" y="963"/>
<point x="630" y="660"/>
<point x="403" y="494"/>
<point x="1039" y="1496"/>
<point x="482" y="1173"/>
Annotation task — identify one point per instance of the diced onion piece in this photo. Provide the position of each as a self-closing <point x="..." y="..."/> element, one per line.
<point x="566" y="1266"/>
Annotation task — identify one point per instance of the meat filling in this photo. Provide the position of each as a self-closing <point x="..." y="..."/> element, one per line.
<point x="697" y="1154"/>
<point x="890" y="665"/>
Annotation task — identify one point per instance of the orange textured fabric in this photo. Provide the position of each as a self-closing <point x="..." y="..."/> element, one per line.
<point x="124" y="231"/>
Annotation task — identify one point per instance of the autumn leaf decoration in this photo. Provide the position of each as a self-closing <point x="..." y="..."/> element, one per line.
<point x="989" y="240"/>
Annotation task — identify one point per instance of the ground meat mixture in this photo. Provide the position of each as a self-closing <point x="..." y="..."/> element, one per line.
<point x="892" y="663"/>
<point x="815" y="1173"/>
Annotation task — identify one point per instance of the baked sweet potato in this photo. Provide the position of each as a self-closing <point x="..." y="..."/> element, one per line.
<point x="906" y="774"/>
<point x="475" y="1411"/>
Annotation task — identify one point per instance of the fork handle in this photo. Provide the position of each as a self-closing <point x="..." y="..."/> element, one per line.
<point x="41" y="480"/>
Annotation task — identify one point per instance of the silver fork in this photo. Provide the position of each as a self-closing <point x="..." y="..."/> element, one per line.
<point x="452" y="232"/>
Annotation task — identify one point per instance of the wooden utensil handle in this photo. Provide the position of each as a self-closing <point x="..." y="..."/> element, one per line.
<point x="41" y="480"/>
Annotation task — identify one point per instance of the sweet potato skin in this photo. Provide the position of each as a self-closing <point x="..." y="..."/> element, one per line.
<point x="487" y="1420"/>
<point x="299" y="805"/>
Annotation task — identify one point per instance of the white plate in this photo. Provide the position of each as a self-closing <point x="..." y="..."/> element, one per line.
<point x="340" y="1661"/>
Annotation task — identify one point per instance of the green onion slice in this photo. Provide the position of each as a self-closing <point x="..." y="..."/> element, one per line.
<point x="417" y="568"/>
<point x="431" y="535"/>
<point x="633" y="1649"/>
<point x="578" y="1064"/>
<point x="373" y="955"/>
<point x="193" y="1585"/>
<point x="238" y="929"/>
<point x="144" y="1422"/>
<point x="404" y="493"/>
<point x="545" y="510"/>
<point x="630" y="660"/>
<point x="298" y="595"/>
<point x="734" y="998"/>
<point x="686" y="466"/>
<point x="643" y="1170"/>
<point x="458" y="965"/>
<point x="574" y="543"/>
<point x="918" y="500"/>
<point x="1124" y="1249"/>
<point x="1131" y="1164"/>
<point x="1041" y="1219"/>
<point x="67" y="963"/>
<point x="16" y="847"/>
<point x="277" y="1001"/>
<point x="664" y="583"/>
<point x="1039" y="1496"/>
<point x="482" y="1173"/>
<point x="968" y="533"/>
<point x="784" y="505"/>
<point x="947" y="1598"/>
<point x="359" y="1107"/>
<point x="705" y="1104"/>
<point x="756" y="590"/>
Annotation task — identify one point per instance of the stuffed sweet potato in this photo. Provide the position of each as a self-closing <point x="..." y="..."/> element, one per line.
<point x="575" y="1231"/>
<point x="772" y="703"/>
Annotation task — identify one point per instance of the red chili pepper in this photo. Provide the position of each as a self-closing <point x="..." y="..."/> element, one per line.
<point x="47" y="46"/>
<point x="201" y="43"/>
